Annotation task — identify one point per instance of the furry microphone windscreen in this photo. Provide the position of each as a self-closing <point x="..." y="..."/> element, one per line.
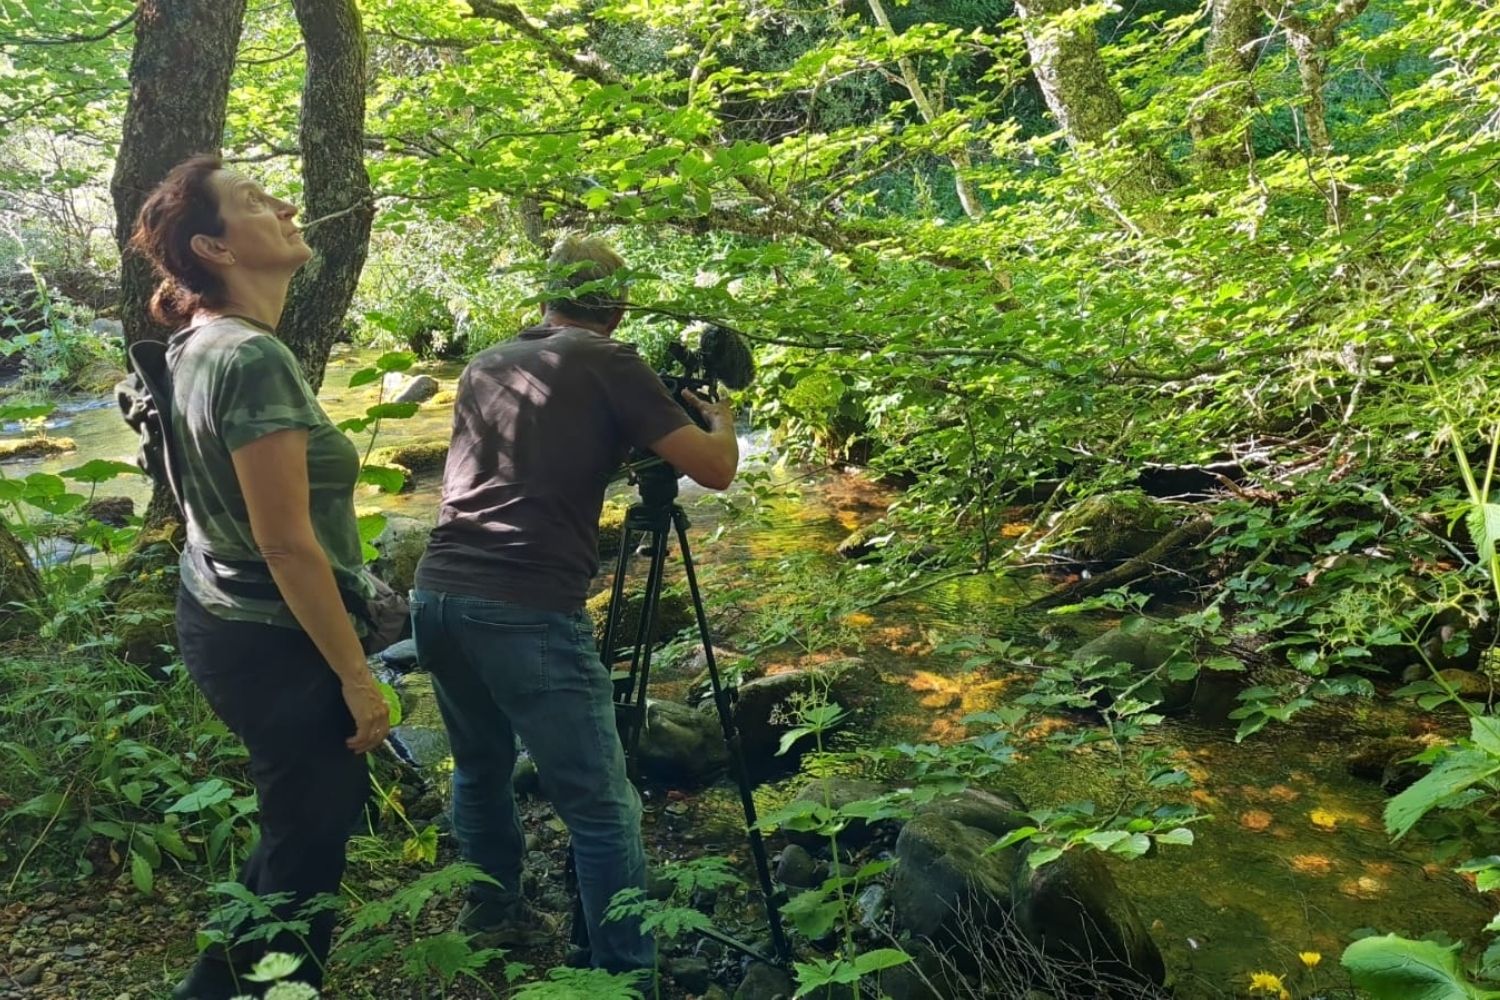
<point x="727" y="357"/>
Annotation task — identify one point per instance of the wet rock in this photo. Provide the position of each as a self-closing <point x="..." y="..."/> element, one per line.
<point x="1073" y="911"/>
<point x="1110" y="527"/>
<point x="113" y="511"/>
<point x="1467" y="683"/>
<point x="766" y="708"/>
<point x="838" y="793"/>
<point x="673" y="614"/>
<point x="798" y="868"/>
<point x="765" y="982"/>
<point x="106" y="327"/>
<point x="865" y="541"/>
<point x="418" y="390"/>
<point x="946" y="873"/>
<point x="39" y="446"/>
<point x="1386" y="761"/>
<point x="870" y="905"/>
<point x="524" y="778"/>
<point x="691" y="973"/>
<point x="57" y="551"/>
<point x="400" y="657"/>
<point x="400" y="546"/>
<point x="681" y="744"/>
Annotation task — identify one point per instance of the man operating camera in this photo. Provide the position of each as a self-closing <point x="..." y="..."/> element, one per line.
<point x="539" y="425"/>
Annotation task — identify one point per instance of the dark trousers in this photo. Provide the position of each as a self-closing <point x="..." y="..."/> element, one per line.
<point x="274" y="690"/>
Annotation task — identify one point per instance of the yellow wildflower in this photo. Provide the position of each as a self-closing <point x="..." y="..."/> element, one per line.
<point x="1267" y="982"/>
<point x="1310" y="958"/>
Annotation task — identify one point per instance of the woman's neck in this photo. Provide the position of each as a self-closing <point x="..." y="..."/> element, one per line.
<point x="257" y="297"/>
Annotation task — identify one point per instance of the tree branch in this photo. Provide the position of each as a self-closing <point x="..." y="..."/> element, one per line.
<point x="588" y="66"/>
<point x="115" y="28"/>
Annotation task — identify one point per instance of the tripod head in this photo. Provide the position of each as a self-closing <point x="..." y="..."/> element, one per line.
<point x="656" y="482"/>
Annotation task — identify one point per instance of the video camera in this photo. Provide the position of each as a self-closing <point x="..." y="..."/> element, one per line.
<point x="721" y="356"/>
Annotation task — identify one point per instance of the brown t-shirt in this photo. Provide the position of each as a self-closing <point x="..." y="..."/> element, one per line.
<point x="539" y="425"/>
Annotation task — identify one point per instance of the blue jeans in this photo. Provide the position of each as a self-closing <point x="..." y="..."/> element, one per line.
<point x="502" y="671"/>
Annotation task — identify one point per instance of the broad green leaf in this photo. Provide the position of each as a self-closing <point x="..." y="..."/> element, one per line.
<point x="383" y="477"/>
<point x="364" y="377"/>
<point x="1394" y="968"/>
<point x="99" y="470"/>
<point x="1455" y="772"/>
<point x="1483" y="521"/>
<point x="880" y="958"/>
<point x="205" y="795"/>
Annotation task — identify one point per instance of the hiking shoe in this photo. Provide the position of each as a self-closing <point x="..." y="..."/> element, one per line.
<point x="506" y="924"/>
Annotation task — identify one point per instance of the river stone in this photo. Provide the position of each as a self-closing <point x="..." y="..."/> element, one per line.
<point x="838" y="793"/>
<point x="764" y="709"/>
<point x="945" y="873"/>
<point x="680" y="744"/>
<point x="418" y="390"/>
<point x="113" y="511"/>
<point x="1072" y="910"/>
<point x="1467" y="683"/>
<point x="797" y="868"/>
<point x="765" y="982"/>
<point x="1109" y="527"/>
<point x="400" y="657"/>
<point x="400" y="546"/>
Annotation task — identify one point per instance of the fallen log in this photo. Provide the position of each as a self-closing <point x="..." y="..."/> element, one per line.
<point x="1150" y="563"/>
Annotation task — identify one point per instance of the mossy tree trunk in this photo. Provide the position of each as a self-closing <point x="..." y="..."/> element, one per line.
<point x="333" y="178"/>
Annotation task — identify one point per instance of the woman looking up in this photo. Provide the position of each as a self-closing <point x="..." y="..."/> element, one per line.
<point x="267" y="483"/>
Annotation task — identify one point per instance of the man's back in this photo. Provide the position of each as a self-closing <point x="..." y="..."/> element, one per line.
<point x="539" y="425"/>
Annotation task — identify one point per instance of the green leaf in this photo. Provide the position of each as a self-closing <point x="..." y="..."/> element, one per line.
<point x="1484" y="730"/>
<point x="1483" y="521"/>
<point x="206" y="795"/>
<point x="395" y="361"/>
<point x="813" y="914"/>
<point x="364" y="377"/>
<point x="99" y="470"/>
<point x="880" y="958"/>
<point x="141" y="874"/>
<point x="384" y="477"/>
<point x="392" y="702"/>
<point x="392" y="411"/>
<point x="1394" y="968"/>
<point x="1181" y="836"/>
<point x="1455" y="772"/>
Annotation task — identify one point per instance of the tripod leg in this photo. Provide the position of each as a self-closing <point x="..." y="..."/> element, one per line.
<point x="640" y="663"/>
<point x="768" y="889"/>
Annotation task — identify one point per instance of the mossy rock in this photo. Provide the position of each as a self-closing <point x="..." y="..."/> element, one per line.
<point x="443" y="398"/>
<point x="151" y="567"/>
<point x="611" y="531"/>
<point x="1108" y="527"/>
<point x="400" y="545"/>
<point x="35" y="447"/>
<point x="146" y="628"/>
<point x="418" y="458"/>
<point x="674" y="612"/>
<point x="20" y="588"/>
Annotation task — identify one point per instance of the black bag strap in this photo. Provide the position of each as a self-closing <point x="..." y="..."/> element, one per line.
<point x="148" y="360"/>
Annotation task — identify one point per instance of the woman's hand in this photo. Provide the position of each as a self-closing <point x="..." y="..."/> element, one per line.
<point x="372" y="718"/>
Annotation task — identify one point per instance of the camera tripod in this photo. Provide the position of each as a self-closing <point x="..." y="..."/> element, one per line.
<point x="654" y="519"/>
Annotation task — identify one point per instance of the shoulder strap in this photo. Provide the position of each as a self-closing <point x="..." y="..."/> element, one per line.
<point x="148" y="360"/>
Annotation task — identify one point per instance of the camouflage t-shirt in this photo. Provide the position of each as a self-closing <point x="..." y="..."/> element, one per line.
<point x="234" y="382"/>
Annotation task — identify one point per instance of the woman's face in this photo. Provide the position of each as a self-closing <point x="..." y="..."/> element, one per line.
<point x="258" y="229"/>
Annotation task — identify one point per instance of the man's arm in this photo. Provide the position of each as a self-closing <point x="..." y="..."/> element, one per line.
<point x="710" y="458"/>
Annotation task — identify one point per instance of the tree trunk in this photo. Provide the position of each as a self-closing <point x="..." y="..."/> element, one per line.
<point x="1217" y="122"/>
<point x="967" y="196"/>
<point x="179" y="89"/>
<point x="1310" y="43"/>
<point x="335" y="184"/>
<point x="1076" y="86"/>
<point x="179" y="86"/>
<point x="20" y="588"/>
